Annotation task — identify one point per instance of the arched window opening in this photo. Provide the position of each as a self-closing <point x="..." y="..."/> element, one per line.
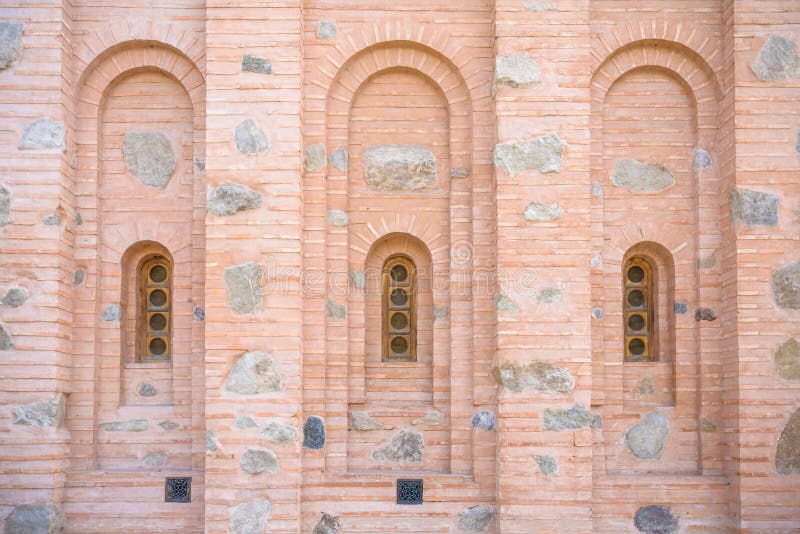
<point x="639" y="310"/>
<point x="399" y="282"/>
<point x="153" y="321"/>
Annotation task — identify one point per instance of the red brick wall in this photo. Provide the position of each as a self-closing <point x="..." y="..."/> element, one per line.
<point x="651" y="81"/>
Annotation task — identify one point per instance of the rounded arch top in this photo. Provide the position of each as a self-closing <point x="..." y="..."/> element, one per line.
<point x="368" y="62"/>
<point x="679" y="59"/>
<point x="130" y="56"/>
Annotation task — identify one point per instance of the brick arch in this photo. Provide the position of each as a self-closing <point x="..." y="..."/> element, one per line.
<point x="683" y="62"/>
<point x="680" y="35"/>
<point x="138" y="33"/>
<point x="431" y="39"/>
<point x="370" y="62"/>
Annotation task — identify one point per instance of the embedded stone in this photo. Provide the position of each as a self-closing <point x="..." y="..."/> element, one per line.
<point x="431" y="417"/>
<point x="655" y="519"/>
<point x="155" y="459"/>
<point x="314" y="433"/>
<point x="249" y="517"/>
<point x="327" y="524"/>
<point x="484" y="420"/>
<point x="10" y="43"/>
<point x="707" y="426"/>
<point x="340" y="159"/>
<point x="243" y="282"/>
<point x="146" y="389"/>
<point x="777" y="60"/>
<point x="78" y="277"/>
<point x="680" y="307"/>
<point x="596" y="189"/>
<point x="5" y="205"/>
<point x="539" y="5"/>
<point x="547" y="465"/>
<point x="362" y="422"/>
<point x="787" y="360"/>
<point x="255" y="461"/>
<point x="229" y="199"/>
<point x="244" y="421"/>
<point x="198" y="313"/>
<point x="149" y="157"/>
<point x="646" y="386"/>
<point x="45" y="518"/>
<point x="52" y="220"/>
<point x="598" y="313"/>
<point x="701" y="159"/>
<point x="43" y="133"/>
<point x="255" y="64"/>
<point x="337" y="218"/>
<point x="638" y="177"/>
<point x="279" y="433"/>
<point x="549" y="294"/>
<point x="78" y="219"/>
<point x="254" y="373"/>
<point x="704" y="314"/>
<point x="335" y="310"/>
<point x="441" y="312"/>
<point x="212" y="443"/>
<point x="569" y="419"/>
<point x="199" y="163"/>
<point x="249" y="138"/>
<point x="787" y="455"/>
<point x="400" y="167"/>
<point x="168" y="425"/>
<point x="535" y="376"/>
<point x="48" y="414"/>
<point x="707" y="262"/>
<point x="797" y="146"/>
<point x="595" y="261"/>
<point x="786" y="286"/>
<point x="504" y="303"/>
<point x="113" y="312"/>
<point x="15" y="297"/>
<point x="476" y="518"/>
<point x="543" y="153"/>
<point x="753" y="208"/>
<point x="326" y="30"/>
<point x="646" y="439"/>
<point x="315" y="157"/>
<point x="459" y="173"/>
<point x="357" y="279"/>
<point x="134" y="425"/>
<point x="516" y="70"/>
<point x="405" y="446"/>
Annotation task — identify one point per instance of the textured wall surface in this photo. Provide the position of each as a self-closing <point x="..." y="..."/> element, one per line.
<point x="519" y="152"/>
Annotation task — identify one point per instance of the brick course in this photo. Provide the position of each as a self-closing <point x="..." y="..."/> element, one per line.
<point x="519" y="264"/>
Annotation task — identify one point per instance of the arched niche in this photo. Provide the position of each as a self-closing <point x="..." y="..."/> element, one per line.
<point x="400" y="93"/>
<point x="655" y="102"/>
<point x="137" y="86"/>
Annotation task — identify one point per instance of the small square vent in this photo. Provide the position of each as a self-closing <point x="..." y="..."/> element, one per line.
<point x="409" y="491"/>
<point x="178" y="489"/>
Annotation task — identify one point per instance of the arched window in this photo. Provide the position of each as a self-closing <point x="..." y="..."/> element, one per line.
<point x="639" y="310"/>
<point x="154" y="320"/>
<point x="399" y="302"/>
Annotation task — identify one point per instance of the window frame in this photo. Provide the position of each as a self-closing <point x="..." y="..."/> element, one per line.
<point x="144" y="310"/>
<point x="648" y="333"/>
<point x="388" y="309"/>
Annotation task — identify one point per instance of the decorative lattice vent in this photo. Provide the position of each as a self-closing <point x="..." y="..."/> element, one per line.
<point x="409" y="491"/>
<point x="178" y="489"/>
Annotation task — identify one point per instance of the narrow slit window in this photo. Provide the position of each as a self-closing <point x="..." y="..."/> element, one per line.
<point x="638" y="310"/>
<point x="154" y="321"/>
<point x="399" y="310"/>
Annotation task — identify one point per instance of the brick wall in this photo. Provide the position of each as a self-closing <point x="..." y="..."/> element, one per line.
<point x="520" y="408"/>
